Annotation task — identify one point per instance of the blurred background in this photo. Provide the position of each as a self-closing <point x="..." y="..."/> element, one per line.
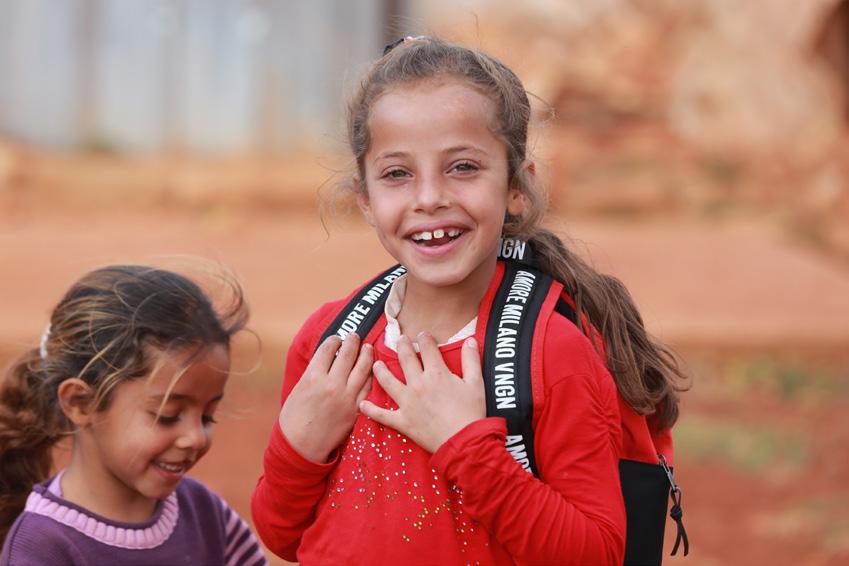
<point x="698" y="149"/>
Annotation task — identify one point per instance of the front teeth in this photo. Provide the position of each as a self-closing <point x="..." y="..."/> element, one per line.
<point x="171" y="467"/>
<point x="438" y="233"/>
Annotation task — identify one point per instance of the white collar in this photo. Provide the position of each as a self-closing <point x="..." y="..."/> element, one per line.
<point x="393" y="307"/>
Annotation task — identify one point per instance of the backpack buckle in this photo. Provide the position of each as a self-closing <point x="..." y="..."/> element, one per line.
<point x="677" y="513"/>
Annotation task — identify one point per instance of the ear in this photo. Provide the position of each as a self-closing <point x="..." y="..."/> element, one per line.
<point x="515" y="198"/>
<point x="75" y="397"/>
<point x="362" y="200"/>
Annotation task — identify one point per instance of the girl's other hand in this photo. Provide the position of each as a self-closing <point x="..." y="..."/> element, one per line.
<point x="321" y="409"/>
<point x="435" y="404"/>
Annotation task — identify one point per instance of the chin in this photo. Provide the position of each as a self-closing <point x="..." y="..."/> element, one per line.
<point x="436" y="277"/>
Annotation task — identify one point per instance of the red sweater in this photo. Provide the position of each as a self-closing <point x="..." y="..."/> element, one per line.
<point x="385" y="500"/>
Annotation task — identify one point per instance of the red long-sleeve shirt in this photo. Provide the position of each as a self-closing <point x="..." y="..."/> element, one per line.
<point x="384" y="499"/>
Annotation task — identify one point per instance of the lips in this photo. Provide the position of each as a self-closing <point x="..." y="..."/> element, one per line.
<point x="174" y="468"/>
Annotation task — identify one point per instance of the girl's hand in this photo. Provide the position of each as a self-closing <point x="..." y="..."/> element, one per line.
<point x="435" y="404"/>
<point x="321" y="409"/>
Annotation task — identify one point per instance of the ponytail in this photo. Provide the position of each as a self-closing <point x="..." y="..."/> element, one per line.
<point x="30" y="424"/>
<point x="646" y="372"/>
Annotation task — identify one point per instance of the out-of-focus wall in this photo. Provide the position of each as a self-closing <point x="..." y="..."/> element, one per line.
<point x="209" y="75"/>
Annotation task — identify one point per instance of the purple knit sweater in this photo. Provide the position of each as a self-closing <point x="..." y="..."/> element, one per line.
<point x="192" y="526"/>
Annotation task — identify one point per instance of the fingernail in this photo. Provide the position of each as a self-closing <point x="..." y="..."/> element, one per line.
<point x="472" y="343"/>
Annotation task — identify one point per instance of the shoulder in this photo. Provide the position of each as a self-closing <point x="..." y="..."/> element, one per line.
<point x="240" y="544"/>
<point x="567" y="352"/>
<point x="577" y="395"/>
<point x="195" y="494"/>
<point x="311" y="330"/>
<point x="201" y="511"/>
<point x="38" y="540"/>
<point x="315" y="325"/>
<point x="204" y="499"/>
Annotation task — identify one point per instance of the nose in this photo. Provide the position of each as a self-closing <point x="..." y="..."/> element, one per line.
<point x="431" y="193"/>
<point x="194" y="436"/>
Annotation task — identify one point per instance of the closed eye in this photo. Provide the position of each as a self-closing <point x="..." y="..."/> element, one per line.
<point x="167" y="420"/>
<point x="172" y="420"/>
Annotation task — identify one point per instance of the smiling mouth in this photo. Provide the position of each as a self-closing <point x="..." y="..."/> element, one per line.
<point x="173" y="468"/>
<point x="436" y="237"/>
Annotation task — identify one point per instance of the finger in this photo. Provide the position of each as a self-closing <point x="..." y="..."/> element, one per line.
<point x="364" y="391"/>
<point x="382" y="416"/>
<point x="393" y="387"/>
<point x="345" y="357"/>
<point x="325" y="355"/>
<point x="471" y="361"/>
<point x="410" y="364"/>
<point x="362" y="369"/>
<point x="431" y="356"/>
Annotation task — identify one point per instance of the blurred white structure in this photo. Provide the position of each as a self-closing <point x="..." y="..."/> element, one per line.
<point x="205" y="75"/>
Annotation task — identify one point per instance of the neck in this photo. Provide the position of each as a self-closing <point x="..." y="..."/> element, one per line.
<point x="94" y="489"/>
<point x="441" y="311"/>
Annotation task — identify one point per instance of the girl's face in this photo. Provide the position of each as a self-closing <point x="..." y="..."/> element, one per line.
<point x="436" y="182"/>
<point x="140" y="447"/>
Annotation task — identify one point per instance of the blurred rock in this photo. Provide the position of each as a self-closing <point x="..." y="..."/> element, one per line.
<point x="695" y="106"/>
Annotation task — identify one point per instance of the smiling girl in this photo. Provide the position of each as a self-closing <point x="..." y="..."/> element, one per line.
<point x="132" y="367"/>
<point x="406" y="467"/>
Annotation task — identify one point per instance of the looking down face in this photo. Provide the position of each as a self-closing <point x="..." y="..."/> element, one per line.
<point x="153" y="432"/>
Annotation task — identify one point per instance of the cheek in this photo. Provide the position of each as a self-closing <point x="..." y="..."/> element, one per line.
<point x="210" y="435"/>
<point x="384" y="210"/>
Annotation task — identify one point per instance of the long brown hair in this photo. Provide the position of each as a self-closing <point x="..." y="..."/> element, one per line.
<point x="101" y="332"/>
<point x="646" y="372"/>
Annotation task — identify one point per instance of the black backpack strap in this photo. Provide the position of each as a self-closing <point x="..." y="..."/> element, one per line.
<point x="646" y="487"/>
<point x="365" y="307"/>
<point x="566" y="310"/>
<point x="507" y="356"/>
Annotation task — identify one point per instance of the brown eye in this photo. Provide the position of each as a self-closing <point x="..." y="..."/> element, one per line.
<point x="465" y="167"/>
<point x="395" y="174"/>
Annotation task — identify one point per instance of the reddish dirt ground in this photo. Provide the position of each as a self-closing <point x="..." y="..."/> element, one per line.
<point x="763" y="322"/>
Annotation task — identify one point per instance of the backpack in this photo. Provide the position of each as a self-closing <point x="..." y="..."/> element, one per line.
<point x="516" y="309"/>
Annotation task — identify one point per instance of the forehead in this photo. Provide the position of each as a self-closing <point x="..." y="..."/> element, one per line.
<point x="181" y="373"/>
<point x="436" y="106"/>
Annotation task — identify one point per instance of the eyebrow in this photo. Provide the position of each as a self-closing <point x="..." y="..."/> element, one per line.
<point x="450" y="150"/>
<point x="461" y="148"/>
<point x="389" y="155"/>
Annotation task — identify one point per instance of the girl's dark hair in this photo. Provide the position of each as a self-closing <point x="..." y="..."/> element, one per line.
<point x="646" y="372"/>
<point x="103" y="332"/>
